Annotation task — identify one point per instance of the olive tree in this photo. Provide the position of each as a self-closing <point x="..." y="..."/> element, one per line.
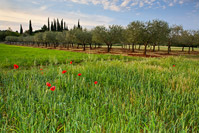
<point x="174" y="36"/>
<point x="134" y="33"/>
<point x="50" y="38"/>
<point x="83" y="37"/>
<point x="160" y="32"/>
<point x="38" y="38"/>
<point x="109" y="36"/>
<point x="196" y="38"/>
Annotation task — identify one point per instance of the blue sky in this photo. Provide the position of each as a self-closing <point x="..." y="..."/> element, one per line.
<point x="97" y="12"/>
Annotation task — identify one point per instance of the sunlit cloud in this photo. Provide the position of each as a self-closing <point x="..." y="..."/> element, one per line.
<point x="39" y="19"/>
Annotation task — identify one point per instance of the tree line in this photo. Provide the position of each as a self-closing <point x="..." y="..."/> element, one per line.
<point x="54" y="25"/>
<point x="153" y="33"/>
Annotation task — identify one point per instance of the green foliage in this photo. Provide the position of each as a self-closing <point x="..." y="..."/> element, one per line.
<point x="134" y="32"/>
<point x="44" y="28"/>
<point x="4" y="34"/>
<point x="49" y="37"/>
<point x="39" y="37"/>
<point x="108" y="36"/>
<point x="83" y="36"/>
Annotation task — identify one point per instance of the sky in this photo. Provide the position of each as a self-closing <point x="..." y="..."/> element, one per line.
<point x="97" y="12"/>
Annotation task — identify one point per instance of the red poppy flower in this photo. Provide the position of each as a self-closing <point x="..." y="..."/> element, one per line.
<point x="71" y="62"/>
<point x="52" y="88"/>
<point x="95" y="82"/>
<point x="16" y="66"/>
<point x="174" y="65"/>
<point x="79" y="74"/>
<point x="41" y="69"/>
<point x="64" y="71"/>
<point x="48" y="84"/>
<point x="42" y="73"/>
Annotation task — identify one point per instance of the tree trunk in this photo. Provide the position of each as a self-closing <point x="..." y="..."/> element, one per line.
<point x="192" y="49"/>
<point x="46" y="44"/>
<point x="77" y="46"/>
<point x="90" y="46"/>
<point x="145" y="48"/>
<point x="189" y="49"/>
<point x="182" y="49"/>
<point x="169" y="47"/>
<point x="67" y="46"/>
<point x="139" y="47"/>
<point x="153" y="48"/>
<point x="158" y="48"/>
<point x="108" y="48"/>
<point x="133" y="47"/>
<point x="84" y="49"/>
<point x="129" y="47"/>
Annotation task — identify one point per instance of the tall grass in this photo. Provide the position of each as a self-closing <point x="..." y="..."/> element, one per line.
<point x="135" y="96"/>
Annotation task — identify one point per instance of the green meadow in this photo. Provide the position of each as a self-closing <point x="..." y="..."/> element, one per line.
<point x="133" y="94"/>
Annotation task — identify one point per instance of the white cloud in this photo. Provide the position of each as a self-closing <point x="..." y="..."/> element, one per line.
<point x="181" y="2"/>
<point x="134" y="3"/>
<point x="163" y="7"/>
<point x="15" y="18"/>
<point x="170" y="4"/>
<point x="137" y="14"/>
<point x="141" y="4"/>
<point x="42" y="8"/>
<point x="35" y="2"/>
<point x="117" y="5"/>
<point x="197" y="5"/>
<point x="125" y="3"/>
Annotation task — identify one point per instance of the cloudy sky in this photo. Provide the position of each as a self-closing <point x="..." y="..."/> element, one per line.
<point x="97" y="12"/>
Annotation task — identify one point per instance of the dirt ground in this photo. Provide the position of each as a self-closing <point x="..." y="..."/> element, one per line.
<point x="127" y="52"/>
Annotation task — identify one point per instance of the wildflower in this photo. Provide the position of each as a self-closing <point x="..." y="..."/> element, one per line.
<point x="48" y="84"/>
<point x="71" y="62"/>
<point x="41" y="69"/>
<point x="95" y="82"/>
<point x="42" y="73"/>
<point x="52" y="88"/>
<point x="16" y="66"/>
<point x="64" y="71"/>
<point x="79" y="74"/>
<point x="173" y="65"/>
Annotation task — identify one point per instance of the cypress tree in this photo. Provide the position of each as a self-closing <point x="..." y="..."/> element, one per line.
<point x="21" y="29"/>
<point x="62" y="27"/>
<point x="48" y="24"/>
<point x="30" y="27"/>
<point x="55" y="26"/>
<point x="58" y="25"/>
<point x="52" y="26"/>
<point x="78" y="25"/>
